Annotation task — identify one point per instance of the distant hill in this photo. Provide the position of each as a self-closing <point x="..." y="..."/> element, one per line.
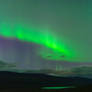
<point x="83" y="71"/>
<point x="4" y="65"/>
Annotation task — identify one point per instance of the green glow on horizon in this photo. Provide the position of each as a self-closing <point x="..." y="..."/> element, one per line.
<point x="41" y="37"/>
<point x="57" y="87"/>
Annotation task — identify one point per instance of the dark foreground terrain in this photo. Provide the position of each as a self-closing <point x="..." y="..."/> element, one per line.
<point x="33" y="82"/>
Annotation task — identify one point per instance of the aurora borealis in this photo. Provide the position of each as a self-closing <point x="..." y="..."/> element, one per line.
<point x="38" y="34"/>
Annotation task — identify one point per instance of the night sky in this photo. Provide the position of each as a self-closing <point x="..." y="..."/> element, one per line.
<point x="67" y="24"/>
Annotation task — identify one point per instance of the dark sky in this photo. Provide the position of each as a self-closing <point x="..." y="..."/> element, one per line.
<point x="71" y="19"/>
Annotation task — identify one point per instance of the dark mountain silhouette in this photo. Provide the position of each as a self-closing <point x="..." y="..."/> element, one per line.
<point x="12" y="79"/>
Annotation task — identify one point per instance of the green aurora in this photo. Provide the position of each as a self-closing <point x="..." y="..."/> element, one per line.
<point x="50" y="46"/>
